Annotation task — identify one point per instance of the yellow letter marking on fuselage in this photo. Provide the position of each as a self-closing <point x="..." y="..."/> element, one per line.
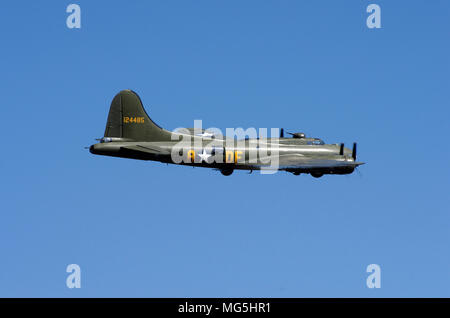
<point x="191" y="155"/>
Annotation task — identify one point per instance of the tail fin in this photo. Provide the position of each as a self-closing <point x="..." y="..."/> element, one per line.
<point x="127" y="119"/>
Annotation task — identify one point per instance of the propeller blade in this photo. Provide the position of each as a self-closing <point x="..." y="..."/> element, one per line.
<point x="282" y="133"/>
<point x="354" y="151"/>
<point x="341" y="150"/>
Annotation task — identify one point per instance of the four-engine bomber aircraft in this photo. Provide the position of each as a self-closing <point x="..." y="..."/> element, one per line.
<point x="130" y="133"/>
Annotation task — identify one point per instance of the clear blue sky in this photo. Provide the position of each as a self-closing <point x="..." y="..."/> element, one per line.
<point x="147" y="229"/>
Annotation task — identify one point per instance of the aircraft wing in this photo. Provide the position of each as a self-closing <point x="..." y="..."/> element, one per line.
<point x="298" y="161"/>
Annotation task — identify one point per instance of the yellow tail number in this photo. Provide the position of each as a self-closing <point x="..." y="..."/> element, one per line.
<point x="135" y="120"/>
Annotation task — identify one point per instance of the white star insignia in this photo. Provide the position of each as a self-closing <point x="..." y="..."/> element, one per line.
<point x="204" y="156"/>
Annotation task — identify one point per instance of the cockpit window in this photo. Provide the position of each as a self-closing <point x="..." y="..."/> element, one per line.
<point x="318" y="142"/>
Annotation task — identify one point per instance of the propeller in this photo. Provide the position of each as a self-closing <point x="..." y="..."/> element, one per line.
<point x="354" y="151"/>
<point x="341" y="150"/>
<point x="96" y="139"/>
<point x="282" y="133"/>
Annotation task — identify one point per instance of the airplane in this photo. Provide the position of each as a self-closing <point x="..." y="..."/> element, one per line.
<point x="130" y="133"/>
